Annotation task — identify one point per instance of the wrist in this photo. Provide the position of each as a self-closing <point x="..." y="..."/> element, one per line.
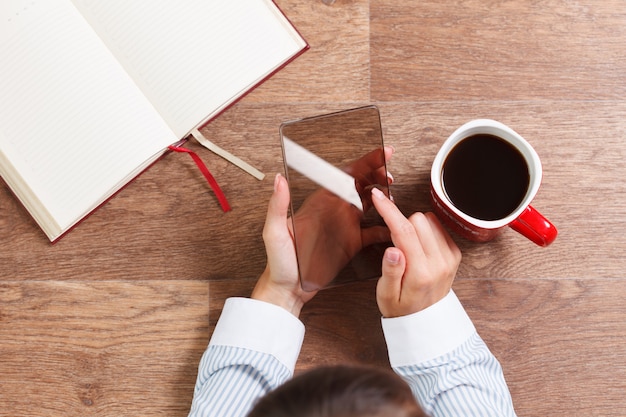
<point x="269" y="292"/>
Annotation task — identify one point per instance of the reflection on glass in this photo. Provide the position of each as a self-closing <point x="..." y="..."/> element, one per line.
<point x="331" y="163"/>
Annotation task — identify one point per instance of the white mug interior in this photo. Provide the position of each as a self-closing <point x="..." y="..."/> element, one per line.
<point x="491" y="127"/>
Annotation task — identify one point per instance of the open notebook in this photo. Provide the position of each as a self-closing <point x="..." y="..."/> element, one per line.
<point x="93" y="92"/>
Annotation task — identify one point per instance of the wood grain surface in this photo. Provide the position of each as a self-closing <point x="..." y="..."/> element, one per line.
<point x="112" y="320"/>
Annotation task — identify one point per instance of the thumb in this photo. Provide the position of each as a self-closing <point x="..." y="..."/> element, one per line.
<point x="389" y="285"/>
<point x="276" y="229"/>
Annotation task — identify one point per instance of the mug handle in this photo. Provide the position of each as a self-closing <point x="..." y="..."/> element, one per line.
<point x="535" y="227"/>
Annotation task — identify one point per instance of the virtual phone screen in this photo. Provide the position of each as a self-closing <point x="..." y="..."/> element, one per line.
<point x="331" y="163"/>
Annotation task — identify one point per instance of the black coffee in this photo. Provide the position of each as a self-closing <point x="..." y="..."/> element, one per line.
<point x="485" y="177"/>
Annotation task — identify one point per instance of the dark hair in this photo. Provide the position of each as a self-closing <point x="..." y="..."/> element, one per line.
<point x="340" y="391"/>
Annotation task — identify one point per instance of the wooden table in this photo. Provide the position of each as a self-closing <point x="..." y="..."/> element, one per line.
<point x="113" y="319"/>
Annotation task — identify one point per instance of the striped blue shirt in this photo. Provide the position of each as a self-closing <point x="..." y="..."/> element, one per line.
<point x="255" y="346"/>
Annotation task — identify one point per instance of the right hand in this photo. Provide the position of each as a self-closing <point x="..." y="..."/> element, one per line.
<point x="420" y="269"/>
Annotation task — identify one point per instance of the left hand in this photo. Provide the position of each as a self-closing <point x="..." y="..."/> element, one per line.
<point x="279" y="283"/>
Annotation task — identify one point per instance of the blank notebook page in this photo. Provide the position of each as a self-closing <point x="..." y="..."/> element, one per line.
<point x="194" y="57"/>
<point x="72" y="122"/>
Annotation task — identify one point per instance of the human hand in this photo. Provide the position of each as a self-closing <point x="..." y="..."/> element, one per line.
<point x="279" y="283"/>
<point x="419" y="270"/>
<point x="328" y="230"/>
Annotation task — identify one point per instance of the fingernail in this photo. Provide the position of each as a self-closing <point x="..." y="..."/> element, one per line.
<point x="276" y="182"/>
<point x="389" y="178"/>
<point x="392" y="256"/>
<point x="378" y="194"/>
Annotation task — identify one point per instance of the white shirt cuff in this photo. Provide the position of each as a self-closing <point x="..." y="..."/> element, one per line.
<point x="427" y="334"/>
<point x="262" y="327"/>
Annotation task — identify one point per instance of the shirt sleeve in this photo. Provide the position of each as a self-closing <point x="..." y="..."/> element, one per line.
<point x="253" y="349"/>
<point x="448" y="366"/>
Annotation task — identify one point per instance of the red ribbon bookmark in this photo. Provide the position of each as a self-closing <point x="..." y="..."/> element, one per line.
<point x="207" y="174"/>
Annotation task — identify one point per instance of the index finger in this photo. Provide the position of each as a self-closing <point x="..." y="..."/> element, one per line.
<point x="403" y="233"/>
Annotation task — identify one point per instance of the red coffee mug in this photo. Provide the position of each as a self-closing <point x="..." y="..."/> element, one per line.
<point x="524" y="219"/>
